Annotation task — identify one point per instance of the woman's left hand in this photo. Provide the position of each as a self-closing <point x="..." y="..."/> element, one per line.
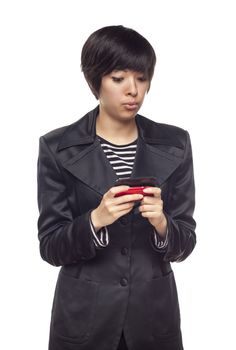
<point x="152" y="209"/>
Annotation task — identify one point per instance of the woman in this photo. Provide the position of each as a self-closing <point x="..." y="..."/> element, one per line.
<point x="116" y="288"/>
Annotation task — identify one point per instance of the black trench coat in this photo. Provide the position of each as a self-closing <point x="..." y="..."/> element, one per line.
<point x="128" y="284"/>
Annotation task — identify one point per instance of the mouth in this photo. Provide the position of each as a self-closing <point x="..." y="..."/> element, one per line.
<point x="131" y="105"/>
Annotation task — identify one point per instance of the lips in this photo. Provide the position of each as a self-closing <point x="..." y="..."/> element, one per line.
<point x="131" y="105"/>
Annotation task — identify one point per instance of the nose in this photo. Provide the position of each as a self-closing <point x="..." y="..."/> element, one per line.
<point x="132" y="89"/>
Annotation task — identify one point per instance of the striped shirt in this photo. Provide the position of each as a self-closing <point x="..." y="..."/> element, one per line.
<point x="121" y="158"/>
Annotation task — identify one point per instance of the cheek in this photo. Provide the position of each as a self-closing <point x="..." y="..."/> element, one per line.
<point x="114" y="97"/>
<point x="109" y="97"/>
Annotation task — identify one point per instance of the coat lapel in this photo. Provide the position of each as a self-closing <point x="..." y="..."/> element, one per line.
<point x="81" y="154"/>
<point x="151" y="161"/>
<point x="93" y="168"/>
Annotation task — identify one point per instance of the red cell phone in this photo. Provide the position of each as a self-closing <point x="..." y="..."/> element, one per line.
<point x="137" y="185"/>
<point x="134" y="190"/>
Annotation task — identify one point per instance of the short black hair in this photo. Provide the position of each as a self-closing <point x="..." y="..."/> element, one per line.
<point x="115" y="48"/>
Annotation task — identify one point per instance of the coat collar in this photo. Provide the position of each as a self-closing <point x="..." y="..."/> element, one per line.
<point x="83" y="132"/>
<point x="158" y="153"/>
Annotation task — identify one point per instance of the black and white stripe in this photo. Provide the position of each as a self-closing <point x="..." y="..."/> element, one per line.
<point x="121" y="158"/>
<point x="158" y="243"/>
<point x="101" y="237"/>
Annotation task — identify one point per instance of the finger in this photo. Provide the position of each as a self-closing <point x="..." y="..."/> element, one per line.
<point x="116" y="189"/>
<point x="124" y="206"/>
<point x="122" y="209"/>
<point x="151" y="200"/>
<point x="127" y="198"/>
<point x="149" y="214"/>
<point x="150" y="208"/>
<point x="156" y="191"/>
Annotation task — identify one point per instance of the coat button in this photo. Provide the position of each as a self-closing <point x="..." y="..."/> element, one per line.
<point x="123" y="282"/>
<point x="124" y="251"/>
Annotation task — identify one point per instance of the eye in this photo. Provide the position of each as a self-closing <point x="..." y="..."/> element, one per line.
<point x="143" y="78"/>
<point x="117" y="80"/>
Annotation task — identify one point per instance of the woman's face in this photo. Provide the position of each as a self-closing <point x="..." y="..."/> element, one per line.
<point x="122" y="93"/>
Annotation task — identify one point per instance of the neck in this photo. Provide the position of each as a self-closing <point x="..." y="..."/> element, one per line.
<point x="116" y="131"/>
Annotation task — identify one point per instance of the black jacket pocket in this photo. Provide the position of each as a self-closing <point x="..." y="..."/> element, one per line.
<point x="73" y="308"/>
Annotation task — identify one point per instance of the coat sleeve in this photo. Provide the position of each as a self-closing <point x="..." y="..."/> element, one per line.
<point x="179" y="210"/>
<point x="64" y="239"/>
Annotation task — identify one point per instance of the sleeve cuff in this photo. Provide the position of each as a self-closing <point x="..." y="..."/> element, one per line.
<point x="158" y="243"/>
<point x="101" y="237"/>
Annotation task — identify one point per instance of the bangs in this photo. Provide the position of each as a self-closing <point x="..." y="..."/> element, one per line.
<point x="130" y="51"/>
<point x="132" y="61"/>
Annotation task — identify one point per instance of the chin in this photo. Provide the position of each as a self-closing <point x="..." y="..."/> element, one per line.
<point x="128" y="116"/>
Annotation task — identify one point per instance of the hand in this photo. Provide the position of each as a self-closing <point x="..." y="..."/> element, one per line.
<point x="112" y="208"/>
<point x="152" y="209"/>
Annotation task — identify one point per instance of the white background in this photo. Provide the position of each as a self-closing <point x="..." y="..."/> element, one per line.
<point x="42" y="88"/>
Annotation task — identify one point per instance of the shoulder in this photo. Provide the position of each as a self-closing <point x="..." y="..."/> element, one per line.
<point x="55" y="134"/>
<point x="81" y="132"/>
<point x="53" y="137"/>
<point x="70" y="134"/>
<point x="161" y="133"/>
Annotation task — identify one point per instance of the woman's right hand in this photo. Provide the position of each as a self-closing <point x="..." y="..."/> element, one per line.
<point x="112" y="208"/>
